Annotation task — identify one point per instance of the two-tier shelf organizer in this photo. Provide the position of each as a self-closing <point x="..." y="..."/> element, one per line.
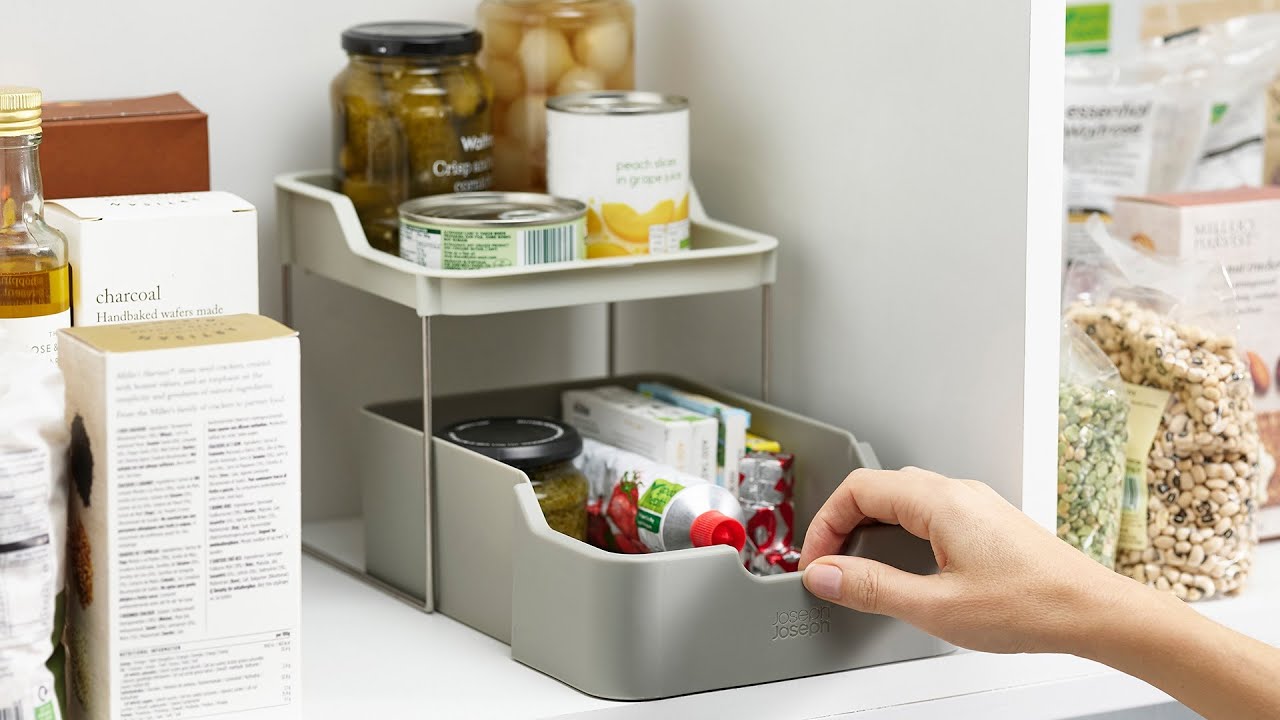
<point x="618" y="626"/>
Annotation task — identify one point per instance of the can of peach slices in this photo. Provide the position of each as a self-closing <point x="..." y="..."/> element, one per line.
<point x="626" y="156"/>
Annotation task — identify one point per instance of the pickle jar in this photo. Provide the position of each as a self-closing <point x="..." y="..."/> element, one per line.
<point x="537" y="49"/>
<point x="544" y="449"/>
<point x="411" y="118"/>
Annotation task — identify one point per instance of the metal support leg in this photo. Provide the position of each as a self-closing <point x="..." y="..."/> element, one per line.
<point x="429" y="592"/>
<point x="766" y="341"/>
<point x="286" y="294"/>
<point x="611" y="340"/>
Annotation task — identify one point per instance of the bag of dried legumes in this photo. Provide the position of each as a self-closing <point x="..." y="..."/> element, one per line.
<point x="1169" y="325"/>
<point x="1093" y="416"/>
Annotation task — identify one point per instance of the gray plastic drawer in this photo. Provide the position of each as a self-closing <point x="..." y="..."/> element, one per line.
<point x="619" y="626"/>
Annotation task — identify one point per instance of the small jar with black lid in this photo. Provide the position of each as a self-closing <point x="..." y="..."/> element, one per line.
<point x="411" y="118"/>
<point x="544" y="449"/>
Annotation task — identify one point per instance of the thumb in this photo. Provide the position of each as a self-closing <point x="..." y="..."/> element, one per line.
<point x="872" y="587"/>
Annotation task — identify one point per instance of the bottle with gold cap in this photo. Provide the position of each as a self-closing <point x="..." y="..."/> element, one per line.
<point x="35" y="291"/>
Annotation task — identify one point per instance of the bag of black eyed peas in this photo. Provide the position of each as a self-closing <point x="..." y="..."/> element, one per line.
<point x="1169" y="326"/>
<point x="1093" y="417"/>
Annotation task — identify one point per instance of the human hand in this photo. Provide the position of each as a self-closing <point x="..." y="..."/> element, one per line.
<point x="1005" y="584"/>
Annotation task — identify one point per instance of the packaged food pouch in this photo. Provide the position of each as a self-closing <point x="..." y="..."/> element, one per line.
<point x="1133" y="125"/>
<point x="1093" y="416"/>
<point x="33" y="510"/>
<point x="1169" y="325"/>
<point x="1247" y="53"/>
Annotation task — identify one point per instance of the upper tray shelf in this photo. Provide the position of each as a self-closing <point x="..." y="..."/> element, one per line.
<point x="320" y="233"/>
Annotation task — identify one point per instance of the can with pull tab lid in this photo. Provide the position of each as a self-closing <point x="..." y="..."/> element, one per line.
<point x="485" y="230"/>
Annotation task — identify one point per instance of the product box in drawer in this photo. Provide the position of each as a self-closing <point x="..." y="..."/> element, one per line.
<point x="184" y="558"/>
<point x="613" y="625"/>
<point x="178" y="256"/>
<point x="1241" y="229"/>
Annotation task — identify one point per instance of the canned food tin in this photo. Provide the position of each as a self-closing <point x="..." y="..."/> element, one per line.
<point x="482" y="230"/>
<point x="626" y="155"/>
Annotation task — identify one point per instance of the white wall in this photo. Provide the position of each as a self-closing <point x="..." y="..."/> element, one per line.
<point x="261" y="70"/>
<point x="888" y="147"/>
<point x="886" y="144"/>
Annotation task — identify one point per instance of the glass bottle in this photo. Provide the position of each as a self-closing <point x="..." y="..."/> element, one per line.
<point x="536" y="49"/>
<point x="35" y="289"/>
<point x="411" y="119"/>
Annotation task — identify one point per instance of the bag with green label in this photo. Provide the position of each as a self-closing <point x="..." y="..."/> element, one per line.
<point x="1093" y="417"/>
<point x="1169" y="325"/>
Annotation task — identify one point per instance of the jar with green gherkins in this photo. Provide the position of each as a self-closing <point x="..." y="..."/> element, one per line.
<point x="411" y="118"/>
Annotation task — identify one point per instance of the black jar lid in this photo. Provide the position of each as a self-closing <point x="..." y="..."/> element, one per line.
<point x="523" y="442"/>
<point x="411" y="38"/>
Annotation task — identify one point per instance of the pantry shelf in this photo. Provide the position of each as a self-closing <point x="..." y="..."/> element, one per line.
<point x="320" y="233"/>
<point x="431" y="661"/>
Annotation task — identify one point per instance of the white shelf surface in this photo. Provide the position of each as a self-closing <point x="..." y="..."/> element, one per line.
<point x="365" y="654"/>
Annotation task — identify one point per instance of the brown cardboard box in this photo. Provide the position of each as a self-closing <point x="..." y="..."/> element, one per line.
<point x="132" y="146"/>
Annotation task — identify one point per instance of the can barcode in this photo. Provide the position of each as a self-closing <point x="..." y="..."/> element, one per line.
<point x="13" y="712"/>
<point x="548" y="245"/>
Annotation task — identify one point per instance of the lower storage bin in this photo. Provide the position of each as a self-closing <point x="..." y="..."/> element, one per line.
<point x="626" y="627"/>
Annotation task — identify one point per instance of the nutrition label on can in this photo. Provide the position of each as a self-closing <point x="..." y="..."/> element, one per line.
<point x="669" y="237"/>
<point x="481" y="248"/>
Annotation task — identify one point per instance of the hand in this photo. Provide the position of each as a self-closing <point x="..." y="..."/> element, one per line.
<point x="1005" y="584"/>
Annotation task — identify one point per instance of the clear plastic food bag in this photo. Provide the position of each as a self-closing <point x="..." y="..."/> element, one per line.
<point x="1247" y="53"/>
<point x="1170" y="325"/>
<point x="33" y="447"/>
<point x="1093" y="416"/>
<point x="1133" y="125"/>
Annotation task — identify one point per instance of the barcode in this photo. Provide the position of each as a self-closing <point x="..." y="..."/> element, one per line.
<point x="546" y="245"/>
<point x="13" y="712"/>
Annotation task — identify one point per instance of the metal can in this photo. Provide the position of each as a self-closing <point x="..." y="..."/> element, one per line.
<point x="483" y="230"/>
<point x="626" y="155"/>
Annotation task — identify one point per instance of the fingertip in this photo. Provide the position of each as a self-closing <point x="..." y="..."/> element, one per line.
<point x="824" y="580"/>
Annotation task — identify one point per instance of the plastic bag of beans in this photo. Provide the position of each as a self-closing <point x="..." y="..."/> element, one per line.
<point x="1170" y="325"/>
<point x="33" y="533"/>
<point x="1093" y="417"/>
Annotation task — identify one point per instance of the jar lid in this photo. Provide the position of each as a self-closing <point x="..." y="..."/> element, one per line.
<point x="411" y="38"/>
<point x="19" y="111"/>
<point x="523" y="442"/>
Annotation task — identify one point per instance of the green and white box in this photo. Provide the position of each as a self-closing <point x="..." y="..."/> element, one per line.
<point x="731" y="441"/>
<point x="662" y="432"/>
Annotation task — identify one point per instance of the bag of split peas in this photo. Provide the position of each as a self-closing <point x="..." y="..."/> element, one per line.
<point x="1093" y="417"/>
<point x="1169" y="326"/>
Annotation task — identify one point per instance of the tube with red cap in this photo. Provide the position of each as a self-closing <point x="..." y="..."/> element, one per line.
<point x="641" y="506"/>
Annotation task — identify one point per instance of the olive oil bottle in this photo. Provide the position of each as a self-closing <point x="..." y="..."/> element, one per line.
<point x="35" y="283"/>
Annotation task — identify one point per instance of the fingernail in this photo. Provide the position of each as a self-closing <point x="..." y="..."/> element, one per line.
<point x="823" y="581"/>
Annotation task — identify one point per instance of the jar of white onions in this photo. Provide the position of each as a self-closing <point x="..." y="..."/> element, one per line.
<point x="537" y="49"/>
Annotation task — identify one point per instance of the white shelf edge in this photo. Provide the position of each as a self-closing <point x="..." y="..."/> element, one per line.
<point x="447" y="655"/>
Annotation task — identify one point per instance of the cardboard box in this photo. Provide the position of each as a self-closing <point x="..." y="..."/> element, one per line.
<point x="184" y="579"/>
<point x="159" y="257"/>
<point x="659" y="431"/>
<point x="731" y="440"/>
<point x="1241" y="229"/>
<point x="124" y="147"/>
